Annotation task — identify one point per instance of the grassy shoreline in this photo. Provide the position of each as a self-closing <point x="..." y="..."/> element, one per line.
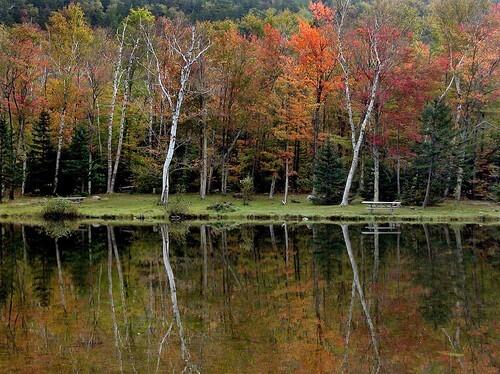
<point x="128" y="208"/>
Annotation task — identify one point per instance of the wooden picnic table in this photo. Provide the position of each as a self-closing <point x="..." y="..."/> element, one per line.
<point x="377" y="205"/>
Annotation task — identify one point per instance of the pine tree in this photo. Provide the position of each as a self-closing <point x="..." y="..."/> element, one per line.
<point x="388" y="185"/>
<point x="76" y="165"/>
<point x="329" y="176"/>
<point x="6" y="158"/>
<point x="430" y="171"/>
<point x="41" y="157"/>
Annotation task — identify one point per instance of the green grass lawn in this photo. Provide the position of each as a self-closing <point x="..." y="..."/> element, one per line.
<point x="145" y="207"/>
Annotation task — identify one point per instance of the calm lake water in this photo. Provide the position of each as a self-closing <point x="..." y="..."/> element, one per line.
<point x="250" y="299"/>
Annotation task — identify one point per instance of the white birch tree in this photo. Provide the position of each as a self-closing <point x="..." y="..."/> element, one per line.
<point x="176" y="51"/>
<point x="357" y="131"/>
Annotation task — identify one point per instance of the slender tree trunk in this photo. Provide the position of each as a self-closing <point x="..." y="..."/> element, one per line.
<point x="116" y="84"/>
<point x="350" y="176"/>
<point x="60" y="275"/>
<point x="203" y="244"/>
<point x="362" y="176"/>
<point x="376" y="160"/>
<point x="223" y="185"/>
<point x="376" y="174"/>
<point x="23" y="182"/>
<point x="210" y="176"/>
<point x="460" y="178"/>
<point x="358" y="143"/>
<point x="116" y="330"/>
<point x="98" y="124"/>
<point x="357" y="282"/>
<point x="429" y="183"/>
<point x="175" y="101"/>
<point x="315" y="124"/>
<point x="398" y="166"/>
<point x="204" y="160"/>
<point x="121" y="135"/>
<point x="89" y="175"/>
<point x="273" y="186"/>
<point x="173" y="294"/>
<point x="461" y="146"/>
<point x="168" y="160"/>
<point x="287" y="177"/>
<point x="59" y="150"/>
<point x="150" y="121"/>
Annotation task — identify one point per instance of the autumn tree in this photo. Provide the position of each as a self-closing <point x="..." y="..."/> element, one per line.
<point x="291" y="118"/>
<point x="21" y="66"/>
<point x="316" y="52"/>
<point x="178" y="48"/>
<point x="467" y="31"/>
<point x="69" y="38"/>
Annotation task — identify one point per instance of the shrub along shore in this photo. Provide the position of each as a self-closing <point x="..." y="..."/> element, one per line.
<point x="134" y="208"/>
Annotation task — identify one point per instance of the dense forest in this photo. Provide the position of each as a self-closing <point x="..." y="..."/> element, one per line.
<point x="108" y="13"/>
<point x="384" y="99"/>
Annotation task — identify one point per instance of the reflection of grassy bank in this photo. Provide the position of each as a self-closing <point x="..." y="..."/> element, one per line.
<point x="127" y="208"/>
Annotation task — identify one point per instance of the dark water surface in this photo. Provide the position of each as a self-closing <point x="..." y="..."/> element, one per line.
<point x="249" y="299"/>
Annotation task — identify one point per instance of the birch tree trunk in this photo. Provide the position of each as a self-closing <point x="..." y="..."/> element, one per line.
<point x="429" y="183"/>
<point x="166" y="164"/>
<point x="204" y="160"/>
<point x="376" y="161"/>
<point x="398" y="166"/>
<point x="376" y="174"/>
<point x="287" y="177"/>
<point x="461" y="146"/>
<point x="60" y="136"/>
<point x="173" y="293"/>
<point x="359" y="142"/>
<point x="273" y="186"/>
<point x="116" y="84"/>
<point x="357" y="282"/>
<point x="89" y="175"/>
<point x="189" y="56"/>
<point x="356" y="139"/>
<point x="25" y="168"/>
<point x="120" y="137"/>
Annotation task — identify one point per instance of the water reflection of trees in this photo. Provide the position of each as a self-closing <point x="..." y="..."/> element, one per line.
<point x="211" y="297"/>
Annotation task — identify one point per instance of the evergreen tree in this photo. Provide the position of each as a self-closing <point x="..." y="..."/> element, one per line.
<point x="76" y="165"/>
<point x="6" y="158"/>
<point x="388" y="187"/>
<point x="330" y="176"/>
<point x="41" y="157"/>
<point x="429" y="174"/>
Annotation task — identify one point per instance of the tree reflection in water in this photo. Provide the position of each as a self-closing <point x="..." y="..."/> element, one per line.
<point x="248" y="299"/>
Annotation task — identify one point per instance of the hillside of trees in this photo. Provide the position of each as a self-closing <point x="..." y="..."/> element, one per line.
<point x="387" y="100"/>
<point x="108" y="13"/>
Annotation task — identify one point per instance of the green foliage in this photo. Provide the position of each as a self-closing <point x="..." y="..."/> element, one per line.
<point x="41" y="157"/>
<point x="387" y="182"/>
<point x="222" y="207"/>
<point x="146" y="173"/>
<point x="330" y="176"/>
<point x="112" y="12"/>
<point x="76" y="164"/>
<point x="246" y="185"/>
<point x="178" y="207"/>
<point x="7" y="166"/>
<point x="435" y="156"/>
<point x="59" y="209"/>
